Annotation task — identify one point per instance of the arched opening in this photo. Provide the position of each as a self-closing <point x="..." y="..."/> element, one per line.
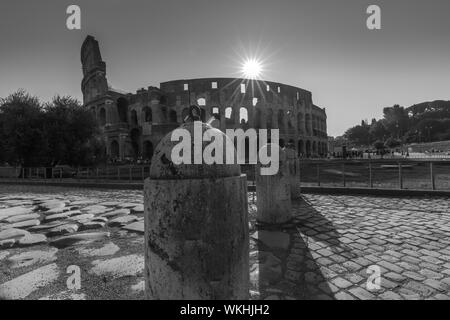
<point x="163" y="114"/>
<point x="291" y="144"/>
<point x="281" y="143"/>
<point x="185" y="114"/>
<point x="114" y="149"/>
<point x="201" y="102"/>
<point x="134" y="119"/>
<point x="122" y="109"/>
<point x="229" y="116"/>
<point x="148" y="150"/>
<point x="173" y="116"/>
<point x="301" y="148"/>
<point x="148" y="114"/>
<point x="134" y="135"/>
<point x="216" y="112"/>
<point x="243" y="115"/>
<point x="314" y="147"/>
<point x="280" y="119"/>
<point x="269" y="119"/>
<point x="102" y="116"/>
<point x="308" y="148"/>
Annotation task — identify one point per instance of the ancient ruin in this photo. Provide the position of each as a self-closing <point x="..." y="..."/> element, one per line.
<point x="133" y="124"/>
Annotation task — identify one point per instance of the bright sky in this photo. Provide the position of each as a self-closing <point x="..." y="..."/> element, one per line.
<point x="320" y="45"/>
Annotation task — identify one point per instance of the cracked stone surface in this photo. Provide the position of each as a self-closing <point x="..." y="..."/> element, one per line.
<point x="324" y="253"/>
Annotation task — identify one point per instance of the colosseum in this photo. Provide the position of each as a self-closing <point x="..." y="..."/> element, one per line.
<point x="134" y="123"/>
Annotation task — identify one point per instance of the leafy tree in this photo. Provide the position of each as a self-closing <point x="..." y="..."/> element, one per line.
<point x="359" y="135"/>
<point x="59" y="132"/>
<point x="392" y="143"/>
<point x="21" y="130"/>
<point x="72" y="132"/>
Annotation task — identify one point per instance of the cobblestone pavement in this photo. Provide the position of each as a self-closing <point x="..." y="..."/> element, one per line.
<point x="324" y="253"/>
<point x="336" y="238"/>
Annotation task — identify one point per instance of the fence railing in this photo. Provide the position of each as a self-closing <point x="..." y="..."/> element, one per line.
<point x="417" y="175"/>
<point x="379" y="174"/>
<point x="120" y="173"/>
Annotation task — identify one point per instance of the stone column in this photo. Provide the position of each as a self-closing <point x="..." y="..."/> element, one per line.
<point x="273" y="193"/>
<point x="293" y="165"/>
<point x="196" y="229"/>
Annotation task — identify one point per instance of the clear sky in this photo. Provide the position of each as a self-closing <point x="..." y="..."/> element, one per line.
<point x="320" y="45"/>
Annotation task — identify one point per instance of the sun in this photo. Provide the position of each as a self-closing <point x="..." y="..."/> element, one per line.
<point x="251" y="68"/>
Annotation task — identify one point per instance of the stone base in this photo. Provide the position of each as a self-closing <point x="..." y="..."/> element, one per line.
<point x="196" y="239"/>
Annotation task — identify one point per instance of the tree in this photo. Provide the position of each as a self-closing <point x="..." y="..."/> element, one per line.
<point x="21" y="131"/>
<point x="396" y="120"/>
<point x="358" y="135"/>
<point x="378" y="130"/>
<point x="72" y="132"/>
<point x="59" y="132"/>
<point x="392" y="143"/>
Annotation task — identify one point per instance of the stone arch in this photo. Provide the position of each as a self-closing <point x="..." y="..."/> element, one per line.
<point x="148" y="116"/>
<point x="147" y="150"/>
<point x="114" y="149"/>
<point x="135" y="136"/>
<point x="134" y="118"/>
<point x="300" y="148"/>
<point x="173" y="116"/>
<point x="291" y="143"/>
<point x="308" y="148"/>
<point x="215" y="111"/>
<point x="229" y="116"/>
<point x="122" y="109"/>
<point x="102" y="116"/>
<point x="243" y="115"/>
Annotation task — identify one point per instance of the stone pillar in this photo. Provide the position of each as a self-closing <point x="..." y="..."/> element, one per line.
<point x="273" y="193"/>
<point x="122" y="145"/>
<point x="196" y="229"/>
<point x="293" y="165"/>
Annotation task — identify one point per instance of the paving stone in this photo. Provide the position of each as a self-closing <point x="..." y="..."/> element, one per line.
<point x="22" y="286"/>
<point x="12" y="233"/>
<point x="341" y="283"/>
<point x="32" y="239"/>
<point x="361" y="293"/>
<point x="70" y="240"/>
<point x="130" y="265"/>
<point x="135" y="227"/>
<point x="344" y="296"/>
<point x="106" y="250"/>
<point x="122" y="221"/>
<point x="29" y="258"/>
<point x="62" y="230"/>
<point x="390" y="295"/>
<point x="14" y="211"/>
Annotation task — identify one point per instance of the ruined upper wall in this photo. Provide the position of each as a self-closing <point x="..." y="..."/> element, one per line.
<point x="223" y="91"/>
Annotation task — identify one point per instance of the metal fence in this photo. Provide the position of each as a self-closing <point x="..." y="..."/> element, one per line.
<point x="387" y="174"/>
<point x="379" y="174"/>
